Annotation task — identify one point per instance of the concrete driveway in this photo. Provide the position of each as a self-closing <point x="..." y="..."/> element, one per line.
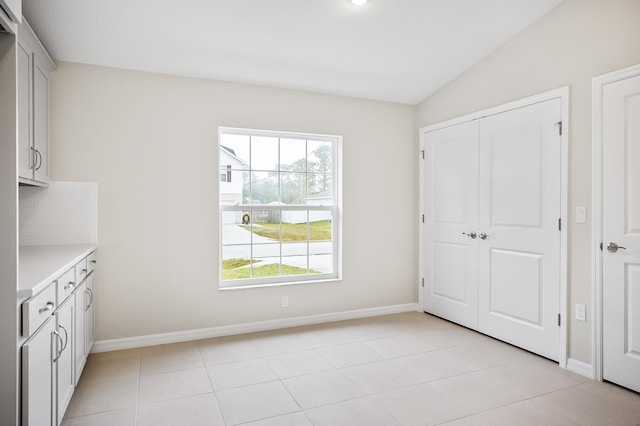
<point x="237" y="245"/>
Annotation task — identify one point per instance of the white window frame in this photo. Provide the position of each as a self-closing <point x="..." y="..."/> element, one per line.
<point x="335" y="209"/>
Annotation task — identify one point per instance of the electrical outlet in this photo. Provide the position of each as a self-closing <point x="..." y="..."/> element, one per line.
<point x="285" y="301"/>
<point x="581" y="312"/>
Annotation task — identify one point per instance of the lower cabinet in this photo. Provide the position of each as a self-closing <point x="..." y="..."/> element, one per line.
<point x="59" y="338"/>
<point x="81" y="298"/>
<point x="38" y="378"/>
<point x="63" y="360"/>
<point x="90" y="313"/>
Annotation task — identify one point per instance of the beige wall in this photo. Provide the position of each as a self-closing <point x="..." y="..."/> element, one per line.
<point x="575" y="42"/>
<point x="150" y="141"/>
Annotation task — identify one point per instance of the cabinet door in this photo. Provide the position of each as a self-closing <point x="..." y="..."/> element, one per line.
<point x="64" y="362"/>
<point x="38" y="380"/>
<point x="26" y="155"/>
<point x="41" y="120"/>
<point x="81" y="302"/>
<point x="90" y="314"/>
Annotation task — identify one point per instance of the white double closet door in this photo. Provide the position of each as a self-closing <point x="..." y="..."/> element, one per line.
<point x="491" y="243"/>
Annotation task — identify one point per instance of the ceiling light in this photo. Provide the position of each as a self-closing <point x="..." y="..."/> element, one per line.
<point x="357" y="2"/>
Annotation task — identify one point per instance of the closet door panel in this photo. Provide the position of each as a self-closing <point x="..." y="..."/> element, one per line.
<point x="519" y="208"/>
<point x="515" y="175"/>
<point x="451" y="214"/>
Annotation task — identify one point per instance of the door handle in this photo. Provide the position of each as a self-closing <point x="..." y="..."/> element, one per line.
<point x="34" y="158"/>
<point x="471" y="235"/>
<point x="613" y="247"/>
<point x="58" y="351"/>
<point x="66" y="337"/>
<point x="483" y="236"/>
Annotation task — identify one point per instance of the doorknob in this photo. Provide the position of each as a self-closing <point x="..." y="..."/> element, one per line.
<point x="483" y="236"/>
<point x="471" y="235"/>
<point x="613" y="247"/>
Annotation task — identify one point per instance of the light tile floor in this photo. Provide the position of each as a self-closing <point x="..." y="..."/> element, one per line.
<point x="405" y="369"/>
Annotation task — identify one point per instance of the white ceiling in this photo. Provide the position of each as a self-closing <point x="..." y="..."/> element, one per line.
<point x="392" y="50"/>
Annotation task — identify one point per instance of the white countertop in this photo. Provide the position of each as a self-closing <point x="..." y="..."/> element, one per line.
<point x="40" y="265"/>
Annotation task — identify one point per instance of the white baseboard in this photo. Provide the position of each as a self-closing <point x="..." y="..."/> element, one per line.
<point x="227" y="330"/>
<point x="581" y="368"/>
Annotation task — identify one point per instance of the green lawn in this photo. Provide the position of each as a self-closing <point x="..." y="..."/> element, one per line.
<point x="319" y="231"/>
<point x="232" y="269"/>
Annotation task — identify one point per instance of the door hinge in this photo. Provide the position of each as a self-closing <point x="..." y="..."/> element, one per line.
<point x="423" y="282"/>
<point x="559" y="124"/>
<point x="422" y="152"/>
<point x="559" y="224"/>
<point x="559" y="321"/>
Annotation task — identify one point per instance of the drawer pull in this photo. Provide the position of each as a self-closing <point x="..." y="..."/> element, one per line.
<point x="84" y="271"/>
<point x="49" y="306"/>
<point x="70" y="285"/>
<point x="93" y="262"/>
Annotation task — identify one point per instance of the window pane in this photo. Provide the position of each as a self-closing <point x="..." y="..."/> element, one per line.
<point x="294" y="225"/>
<point x="264" y="153"/>
<point x="321" y="257"/>
<point x="321" y="227"/>
<point x="232" y="184"/>
<point x="235" y="262"/>
<point x="266" y="250"/>
<point x="233" y="230"/>
<point x="293" y="155"/>
<point x="294" y="253"/>
<point x="320" y="156"/>
<point x="298" y="248"/>
<point x="294" y="265"/>
<point x="265" y="226"/>
<point x="234" y="150"/>
<point x="246" y="188"/>
<point x="264" y="187"/>
<point x="293" y="188"/>
<point x="320" y="189"/>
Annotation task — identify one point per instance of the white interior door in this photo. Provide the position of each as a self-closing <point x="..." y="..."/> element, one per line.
<point x="519" y="211"/>
<point x="450" y="249"/>
<point x="621" y="226"/>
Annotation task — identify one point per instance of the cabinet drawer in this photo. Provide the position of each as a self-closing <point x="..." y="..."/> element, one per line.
<point x="91" y="262"/>
<point x="37" y="310"/>
<point x="81" y="270"/>
<point x="65" y="285"/>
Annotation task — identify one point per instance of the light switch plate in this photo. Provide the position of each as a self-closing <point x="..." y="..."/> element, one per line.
<point x="581" y="214"/>
<point x="581" y="312"/>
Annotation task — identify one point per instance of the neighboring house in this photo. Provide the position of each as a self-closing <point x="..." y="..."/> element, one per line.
<point x="231" y="182"/>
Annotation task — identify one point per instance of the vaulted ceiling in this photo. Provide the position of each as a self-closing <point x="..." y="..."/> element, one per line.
<point x="391" y="50"/>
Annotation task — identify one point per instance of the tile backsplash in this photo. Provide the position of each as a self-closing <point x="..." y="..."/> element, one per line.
<point x="63" y="213"/>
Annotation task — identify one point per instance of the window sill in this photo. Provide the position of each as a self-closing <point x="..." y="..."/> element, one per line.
<point x="277" y="284"/>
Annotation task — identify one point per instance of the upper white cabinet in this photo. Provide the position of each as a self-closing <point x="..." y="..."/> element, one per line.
<point x="10" y="15"/>
<point x="34" y="68"/>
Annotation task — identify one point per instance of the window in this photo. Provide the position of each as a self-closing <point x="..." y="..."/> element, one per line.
<point x="279" y="207"/>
